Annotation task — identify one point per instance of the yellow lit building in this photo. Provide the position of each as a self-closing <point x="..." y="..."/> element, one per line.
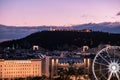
<point x="20" y="68"/>
<point x="65" y="63"/>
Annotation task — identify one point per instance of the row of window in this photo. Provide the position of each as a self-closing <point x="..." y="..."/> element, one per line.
<point x="16" y="72"/>
<point x="19" y="75"/>
<point x="13" y="69"/>
<point x="20" y="65"/>
<point x="26" y="72"/>
<point x="20" y="68"/>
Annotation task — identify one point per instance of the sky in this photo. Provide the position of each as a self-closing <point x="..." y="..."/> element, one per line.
<point x="58" y="12"/>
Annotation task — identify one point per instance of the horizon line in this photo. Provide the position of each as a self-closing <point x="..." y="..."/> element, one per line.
<point x="69" y="25"/>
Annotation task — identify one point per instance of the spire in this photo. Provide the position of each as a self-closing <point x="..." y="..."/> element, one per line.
<point x="13" y="47"/>
<point x="51" y="28"/>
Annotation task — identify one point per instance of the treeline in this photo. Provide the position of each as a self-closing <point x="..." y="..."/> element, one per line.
<point x="62" y="40"/>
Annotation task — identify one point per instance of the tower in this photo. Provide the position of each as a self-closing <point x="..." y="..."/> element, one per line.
<point x="51" y="28"/>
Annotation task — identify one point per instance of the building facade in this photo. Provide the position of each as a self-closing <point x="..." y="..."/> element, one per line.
<point x="20" y="68"/>
<point x="46" y="66"/>
<point x="65" y="63"/>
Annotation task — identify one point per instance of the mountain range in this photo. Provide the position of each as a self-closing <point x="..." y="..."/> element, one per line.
<point x="16" y="32"/>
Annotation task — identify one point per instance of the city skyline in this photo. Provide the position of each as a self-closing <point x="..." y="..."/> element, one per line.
<point x="58" y="13"/>
<point x="59" y="39"/>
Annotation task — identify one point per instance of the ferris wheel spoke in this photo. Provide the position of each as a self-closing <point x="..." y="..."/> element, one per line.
<point x="110" y="76"/>
<point x="114" y="54"/>
<point x="104" y="59"/>
<point x="108" y="54"/>
<point x="119" y="72"/>
<point x="117" y="76"/>
<point x="104" y="75"/>
<point x="118" y="61"/>
<point x="101" y="64"/>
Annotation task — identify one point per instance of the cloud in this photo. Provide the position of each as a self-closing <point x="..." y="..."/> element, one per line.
<point x="118" y="14"/>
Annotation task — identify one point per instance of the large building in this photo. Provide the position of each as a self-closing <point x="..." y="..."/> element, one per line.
<point x="15" y="67"/>
<point x="65" y="63"/>
<point x="46" y="66"/>
<point x="20" y="68"/>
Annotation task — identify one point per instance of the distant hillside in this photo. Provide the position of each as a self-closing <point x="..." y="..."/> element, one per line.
<point x="63" y="40"/>
<point x="16" y="32"/>
<point x="104" y="27"/>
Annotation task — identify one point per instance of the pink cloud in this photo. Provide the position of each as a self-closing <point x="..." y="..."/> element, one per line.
<point x="118" y="14"/>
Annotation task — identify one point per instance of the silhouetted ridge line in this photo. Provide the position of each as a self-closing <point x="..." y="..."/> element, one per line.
<point x="63" y="40"/>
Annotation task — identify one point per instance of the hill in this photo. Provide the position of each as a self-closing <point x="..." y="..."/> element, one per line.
<point x="62" y="40"/>
<point x="17" y="32"/>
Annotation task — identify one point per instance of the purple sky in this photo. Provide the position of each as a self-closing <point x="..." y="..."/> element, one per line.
<point x="58" y="12"/>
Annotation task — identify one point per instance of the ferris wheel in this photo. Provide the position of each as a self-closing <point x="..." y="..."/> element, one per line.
<point x="106" y="64"/>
